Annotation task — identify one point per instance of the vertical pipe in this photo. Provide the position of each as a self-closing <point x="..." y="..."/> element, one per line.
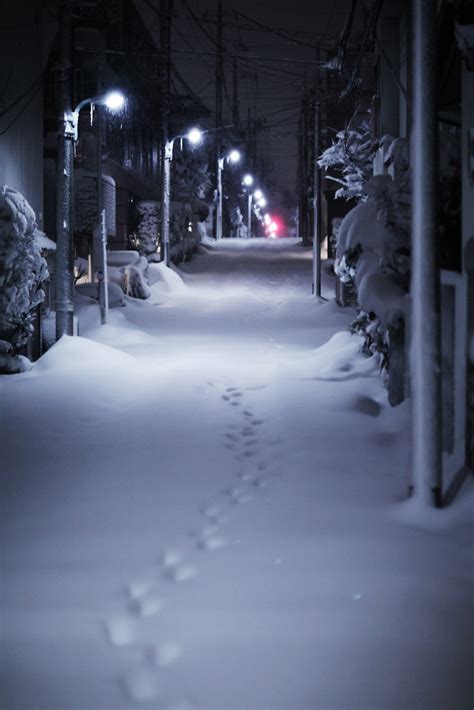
<point x="425" y="289"/>
<point x="97" y="247"/>
<point x="220" y="165"/>
<point x="105" y="280"/>
<point x="165" y="203"/>
<point x="64" y="185"/>
<point x="165" y="33"/>
<point x="316" y="289"/>
<point x="249" y="216"/>
<point x="219" y="82"/>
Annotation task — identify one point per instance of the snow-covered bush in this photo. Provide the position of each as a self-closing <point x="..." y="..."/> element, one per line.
<point x="147" y="232"/>
<point x="352" y="155"/>
<point x="131" y="277"/>
<point x="22" y="272"/>
<point x="373" y="250"/>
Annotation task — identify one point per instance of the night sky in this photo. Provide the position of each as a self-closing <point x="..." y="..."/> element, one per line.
<point x="271" y="89"/>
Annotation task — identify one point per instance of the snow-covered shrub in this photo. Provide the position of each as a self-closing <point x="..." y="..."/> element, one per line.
<point x="22" y="272"/>
<point x="375" y="337"/>
<point x="352" y="155"/>
<point x="131" y="277"/>
<point x="373" y="251"/>
<point x="134" y="282"/>
<point x="147" y="232"/>
<point x="346" y="266"/>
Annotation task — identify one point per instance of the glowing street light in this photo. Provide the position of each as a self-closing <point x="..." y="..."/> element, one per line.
<point x="232" y="157"/>
<point x="67" y="138"/>
<point x="248" y="182"/>
<point x="262" y="202"/>
<point x="195" y="137"/>
<point x="258" y="194"/>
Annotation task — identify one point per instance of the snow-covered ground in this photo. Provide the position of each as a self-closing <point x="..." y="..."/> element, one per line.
<point x="202" y="509"/>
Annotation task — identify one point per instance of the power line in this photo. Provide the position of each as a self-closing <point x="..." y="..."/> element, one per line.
<point x="21" y="111"/>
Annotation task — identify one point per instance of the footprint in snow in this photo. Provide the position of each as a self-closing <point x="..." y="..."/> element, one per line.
<point x="226" y="397"/>
<point x="237" y="495"/>
<point x="235" y="404"/>
<point x="251" y="442"/>
<point x="182" y="573"/>
<point x="171" y="558"/>
<point x="231" y="389"/>
<point x="120" y="631"/>
<point x="163" y="655"/>
<point x="246" y="477"/>
<point x="145" y="606"/>
<point x="232" y="437"/>
<point x="212" y="542"/>
<point x="212" y="512"/>
<point x="140" y="684"/>
<point x="236" y="394"/>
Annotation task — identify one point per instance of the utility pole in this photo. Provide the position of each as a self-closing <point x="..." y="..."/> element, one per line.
<point x="166" y="10"/>
<point x="425" y="288"/>
<point x="316" y="288"/>
<point x="64" y="180"/>
<point x="219" y="82"/>
<point x="165" y="203"/>
<point x="235" y="97"/>
<point x="305" y="178"/>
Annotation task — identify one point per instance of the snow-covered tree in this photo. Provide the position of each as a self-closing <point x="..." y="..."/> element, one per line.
<point x="373" y="251"/>
<point x="22" y="272"/>
<point x="147" y="232"/>
<point x="352" y="156"/>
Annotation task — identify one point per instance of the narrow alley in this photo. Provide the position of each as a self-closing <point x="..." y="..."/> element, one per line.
<point x="206" y="509"/>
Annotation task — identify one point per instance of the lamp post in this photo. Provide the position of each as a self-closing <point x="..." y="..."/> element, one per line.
<point x="194" y="136"/>
<point x="259" y="200"/>
<point x="67" y="138"/>
<point x="248" y="182"/>
<point x="232" y="157"/>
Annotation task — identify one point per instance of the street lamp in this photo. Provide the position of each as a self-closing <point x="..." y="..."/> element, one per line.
<point x="232" y="157"/>
<point x="248" y="182"/>
<point x="67" y="138"/>
<point x="194" y="136"/>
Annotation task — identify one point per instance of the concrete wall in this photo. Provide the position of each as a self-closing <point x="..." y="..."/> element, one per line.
<point x="24" y="48"/>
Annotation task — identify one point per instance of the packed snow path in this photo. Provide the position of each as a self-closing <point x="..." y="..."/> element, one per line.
<point x="201" y="511"/>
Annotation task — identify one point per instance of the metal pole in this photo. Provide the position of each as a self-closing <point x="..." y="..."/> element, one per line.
<point x="316" y="288"/>
<point x="249" y="216"/>
<point x="165" y="202"/>
<point x="103" y="236"/>
<point x="218" y="108"/>
<point x="220" y="166"/>
<point x="165" y="34"/>
<point x="64" y="186"/>
<point x="425" y="289"/>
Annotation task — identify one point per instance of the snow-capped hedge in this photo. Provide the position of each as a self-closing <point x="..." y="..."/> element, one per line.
<point x="22" y="271"/>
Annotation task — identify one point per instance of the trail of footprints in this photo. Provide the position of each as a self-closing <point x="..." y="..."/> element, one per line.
<point x="142" y="600"/>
